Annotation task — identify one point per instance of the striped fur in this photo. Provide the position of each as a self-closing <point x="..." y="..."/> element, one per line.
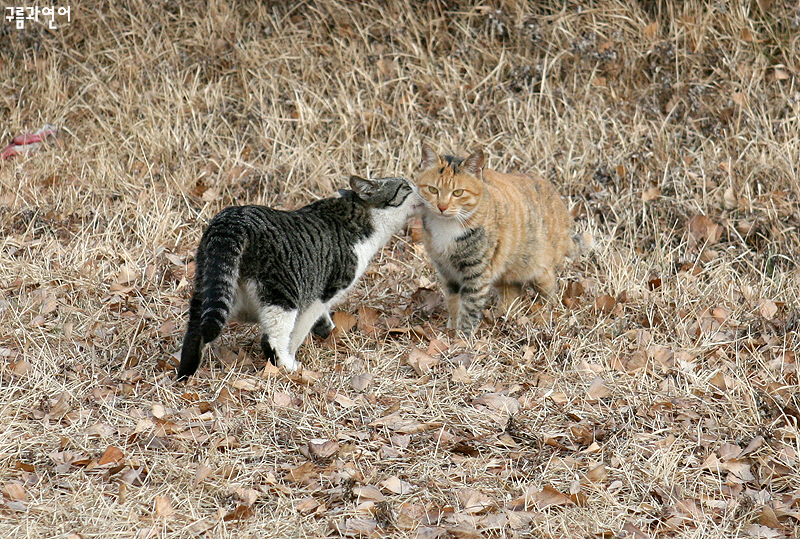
<point x="285" y="269"/>
<point x="485" y="229"/>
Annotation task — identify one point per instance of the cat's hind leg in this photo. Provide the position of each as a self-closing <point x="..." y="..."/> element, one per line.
<point x="545" y="283"/>
<point x="305" y="321"/>
<point x="510" y="293"/>
<point x="323" y="326"/>
<point x="277" y="325"/>
<point x="192" y="349"/>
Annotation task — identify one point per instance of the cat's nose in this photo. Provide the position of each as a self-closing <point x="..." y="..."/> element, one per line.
<point x="442" y="206"/>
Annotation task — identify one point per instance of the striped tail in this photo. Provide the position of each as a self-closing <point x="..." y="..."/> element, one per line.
<point x="213" y="299"/>
<point x="220" y="281"/>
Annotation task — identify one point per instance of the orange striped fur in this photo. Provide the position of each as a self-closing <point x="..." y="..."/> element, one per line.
<point x="485" y="229"/>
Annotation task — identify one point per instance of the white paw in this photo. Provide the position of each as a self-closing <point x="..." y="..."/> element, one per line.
<point x="289" y="366"/>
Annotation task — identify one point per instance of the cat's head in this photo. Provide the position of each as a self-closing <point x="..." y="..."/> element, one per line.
<point x="380" y="193"/>
<point x="451" y="186"/>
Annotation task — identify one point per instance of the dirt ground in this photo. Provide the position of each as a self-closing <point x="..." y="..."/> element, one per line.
<point x="659" y="398"/>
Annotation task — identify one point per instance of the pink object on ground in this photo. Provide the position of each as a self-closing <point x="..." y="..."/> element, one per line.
<point x="27" y="142"/>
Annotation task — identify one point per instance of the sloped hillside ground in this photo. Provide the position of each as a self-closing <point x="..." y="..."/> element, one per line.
<point x="658" y="399"/>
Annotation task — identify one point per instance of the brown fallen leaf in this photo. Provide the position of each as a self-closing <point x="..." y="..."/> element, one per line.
<point x="473" y="501"/>
<point x="200" y="527"/>
<point x="767" y="308"/>
<point x="598" y="474"/>
<point x="396" y="422"/>
<point x="306" y="505"/>
<point x="437" y="347"/>
<point x="202" y="473"/>
<point x="542" y="499"/>
<point x="15" y="490"/>
<point x="61" y="407"/>
<point x="758" y="531"/>
<point x="302" y="473"/>
<point x="167" y="328"/>
<point x="572" y="292"/>
<point x="368" y="493"/>
<point x="703" y="231"/>
<point x="460" y="375"/>
<point x="323" y="449"/>
<point x="430" y="532"/>
<point x="241" y="512"/>
<point x="598" y="389"/>
<point x="25" y="466"/>
<point x="396" y="485"/>
<point x="634" y="532"/>
<point x="20" y="367"/>
<point x="421" y="362"/>
<point x="247" y="384"/>
<point x="112" y="455"/>
<point x="163" y="507"/>
<point x="769" y="518"/>
<point x="361" y="382"/>
<point x="284" y="400"/>
<point x="134" y="476"/>
<point x="464" y="531"/>
<point x="305" y="377"/>
<point x="605" y="304"/>
<point x="500" y="403"/>
<point x="359" y="527"/>
<point x="343" y="322"/>
<point x="651" y="193"/>
<point x="651" y="30"/>
<point x="366" y="319"/>
<point x="49" y="305"/>
<point x="428" y="299"/>
<point x="122" y="493"/>
<point x="729" y="451"/>
<point x="753" y="446"/>
<point x="126" y="275"/>
<point x="159" y="411"/>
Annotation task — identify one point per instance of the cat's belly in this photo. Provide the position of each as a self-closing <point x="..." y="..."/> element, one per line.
<point x="246" y="306"/>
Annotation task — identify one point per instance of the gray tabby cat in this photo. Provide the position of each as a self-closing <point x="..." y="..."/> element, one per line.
<point x="285" y="269"/>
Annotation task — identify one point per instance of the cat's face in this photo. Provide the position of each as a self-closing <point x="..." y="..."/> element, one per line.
<point x="450" y="186"/>
<point x="386" y="193"/>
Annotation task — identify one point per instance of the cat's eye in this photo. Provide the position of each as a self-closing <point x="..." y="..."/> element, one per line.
<point x="432" y="189"/>
<point x="458" y="192"/>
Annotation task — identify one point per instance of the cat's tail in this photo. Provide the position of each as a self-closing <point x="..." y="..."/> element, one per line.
<point x="223" y="253"/>
<point x="213" y="299"/>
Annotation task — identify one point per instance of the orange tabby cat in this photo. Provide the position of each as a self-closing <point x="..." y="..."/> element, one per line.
<point x="484" y="228"/>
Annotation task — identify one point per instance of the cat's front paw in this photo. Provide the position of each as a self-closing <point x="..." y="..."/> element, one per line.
<point x="289" y="366"/>
<point x="467" y="326"/>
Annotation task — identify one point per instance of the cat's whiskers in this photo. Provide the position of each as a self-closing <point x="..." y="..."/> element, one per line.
<point x="461" y="218"/>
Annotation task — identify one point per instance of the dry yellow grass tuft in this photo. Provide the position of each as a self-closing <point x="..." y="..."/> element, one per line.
<point x="660" y="400"/>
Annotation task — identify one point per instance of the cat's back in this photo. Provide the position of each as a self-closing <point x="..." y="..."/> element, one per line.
<point x="531" y="215"/>
<point x="529" y="193"/>
<point x="317" y="219"/>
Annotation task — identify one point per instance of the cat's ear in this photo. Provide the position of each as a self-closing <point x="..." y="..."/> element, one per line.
<point x="362" y="187"/>
<point x="429" y="158"/>
<point x="474" y="164"/>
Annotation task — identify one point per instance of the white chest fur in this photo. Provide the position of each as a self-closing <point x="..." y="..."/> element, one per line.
<point x="385" y="222"/>
<point x="441" y="233"/>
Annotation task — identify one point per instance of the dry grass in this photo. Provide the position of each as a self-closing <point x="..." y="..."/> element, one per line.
<point x="662" y="402"/>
